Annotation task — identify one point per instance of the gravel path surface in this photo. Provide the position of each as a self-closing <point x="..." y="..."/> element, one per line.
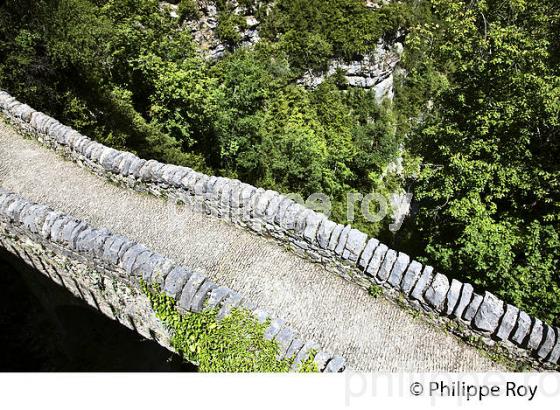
<point x="372" y="334"/>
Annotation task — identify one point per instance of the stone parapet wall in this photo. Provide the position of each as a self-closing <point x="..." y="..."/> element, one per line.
<point x="341" y="249"/>
<point x="106" y="271"/>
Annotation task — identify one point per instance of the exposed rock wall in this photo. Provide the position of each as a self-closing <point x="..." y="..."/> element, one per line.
<point x="371" y="71"/>
<point x="203" y="28"/>
<point x="342" y="249"/>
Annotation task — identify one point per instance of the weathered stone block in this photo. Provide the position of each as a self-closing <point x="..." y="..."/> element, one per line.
<point x="72" y="237"/>
<point x="324" y="232"/>
<point x="521" y="333"/>
<point x="145" y="173"/>
<point x="176" y="281"/>
<point x="80" y="143"/>
<point x="89" y="149"/>
<point x="161" y="271"/>
<point x="548" y="343"/>
<point x="122" y="166"/>
<point x="97" y="152"/>
<point x="398" y="270"/>
<point x="114" y="163"/>
<point x="35" y="220"/>
<point x="209" y="184"/>
<point x="386" y="266"/>
<point x="14" y="209"/>
<point x="199" y="188"/>
<point x="284" y="339"/>
<point x="453" y="296"/>
<point x="273" y="329"/>
<point x="218" y="295"/>
<point x="24" y="112"/>
<point x="5" y="99"/>
<point x="197" y="303"/>
<point x="336" y="365"/>
<point x="304" y="352"/>
<point x="232" y="301"/>
<point x="8" y="199"/>
<point x="36" y="120"/>
<point x="193" y="285"/>
<point x="464" y="300"/>
<point x="72" y="137"/>
<point x="301" y="220"/>
<point x="368" y="253"/>
<point x="146" y="270"/>
<point x="321" y="359"/>
<point x="129" y="258"/>
<point x="489" y="313"/>
<point x="335" y="236"/>
<point x="437" y="292"/>
<point x="51" y="218"/>
<point x="58" y="228"/>
<point x="555" y="354"/>
<point x="536" y="335"/>
<point x="312" y="224"/>
<point x="179" y="175"/>
<point x="342" y="240"/>
<point x="98" y="242"/>
<point x="111" y="248"/>
<point x="136" y="166"/>
<point x="375" y="262"/>
<point x="472" y="307"/>
<point x="290" y="216"/>
<point x="66" y="234"/>
<point x="261" y="315"/>
<point x="354" y="245"/>
<point x="246" y="194"/>
<point x="508" y="322"/>
<point x="25" y="212"/>
<point x="45" y="124"/>
<point x="156" y="174"/>
<point x="411" y="276"/>
<point x="295" y="347"/>
<point x="262" y="202"/>
<point x="84" y="239"/>
<point x="225" y="195"/>
<point x="167" y="172"/>
<point x="107" y="157"/>
<point x="140" y="264"/>
<point x="189" y="181"/>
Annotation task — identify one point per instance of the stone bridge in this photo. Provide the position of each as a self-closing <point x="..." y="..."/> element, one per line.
<point x="96" y="221"/>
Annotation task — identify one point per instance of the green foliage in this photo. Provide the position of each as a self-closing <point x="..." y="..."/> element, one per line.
<point x="229" y="27"/>
<point x="375" y="291"/>
<point x="312" y="31"/>
<point x="234" y="343"/>
<point x="489" y="191"/>
<point x="188" y="10"/>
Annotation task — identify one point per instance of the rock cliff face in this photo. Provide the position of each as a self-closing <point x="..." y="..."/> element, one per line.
<point x="373" y="71"/>
<point x="204" y="28"/>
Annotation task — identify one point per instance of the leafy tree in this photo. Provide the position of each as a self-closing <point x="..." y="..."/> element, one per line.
<point x="490" y="187"/>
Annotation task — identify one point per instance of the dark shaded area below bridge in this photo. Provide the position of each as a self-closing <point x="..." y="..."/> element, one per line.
<point x="43" y="327"/>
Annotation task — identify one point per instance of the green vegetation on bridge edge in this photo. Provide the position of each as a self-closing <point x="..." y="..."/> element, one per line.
<point x="235" y="343"/>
